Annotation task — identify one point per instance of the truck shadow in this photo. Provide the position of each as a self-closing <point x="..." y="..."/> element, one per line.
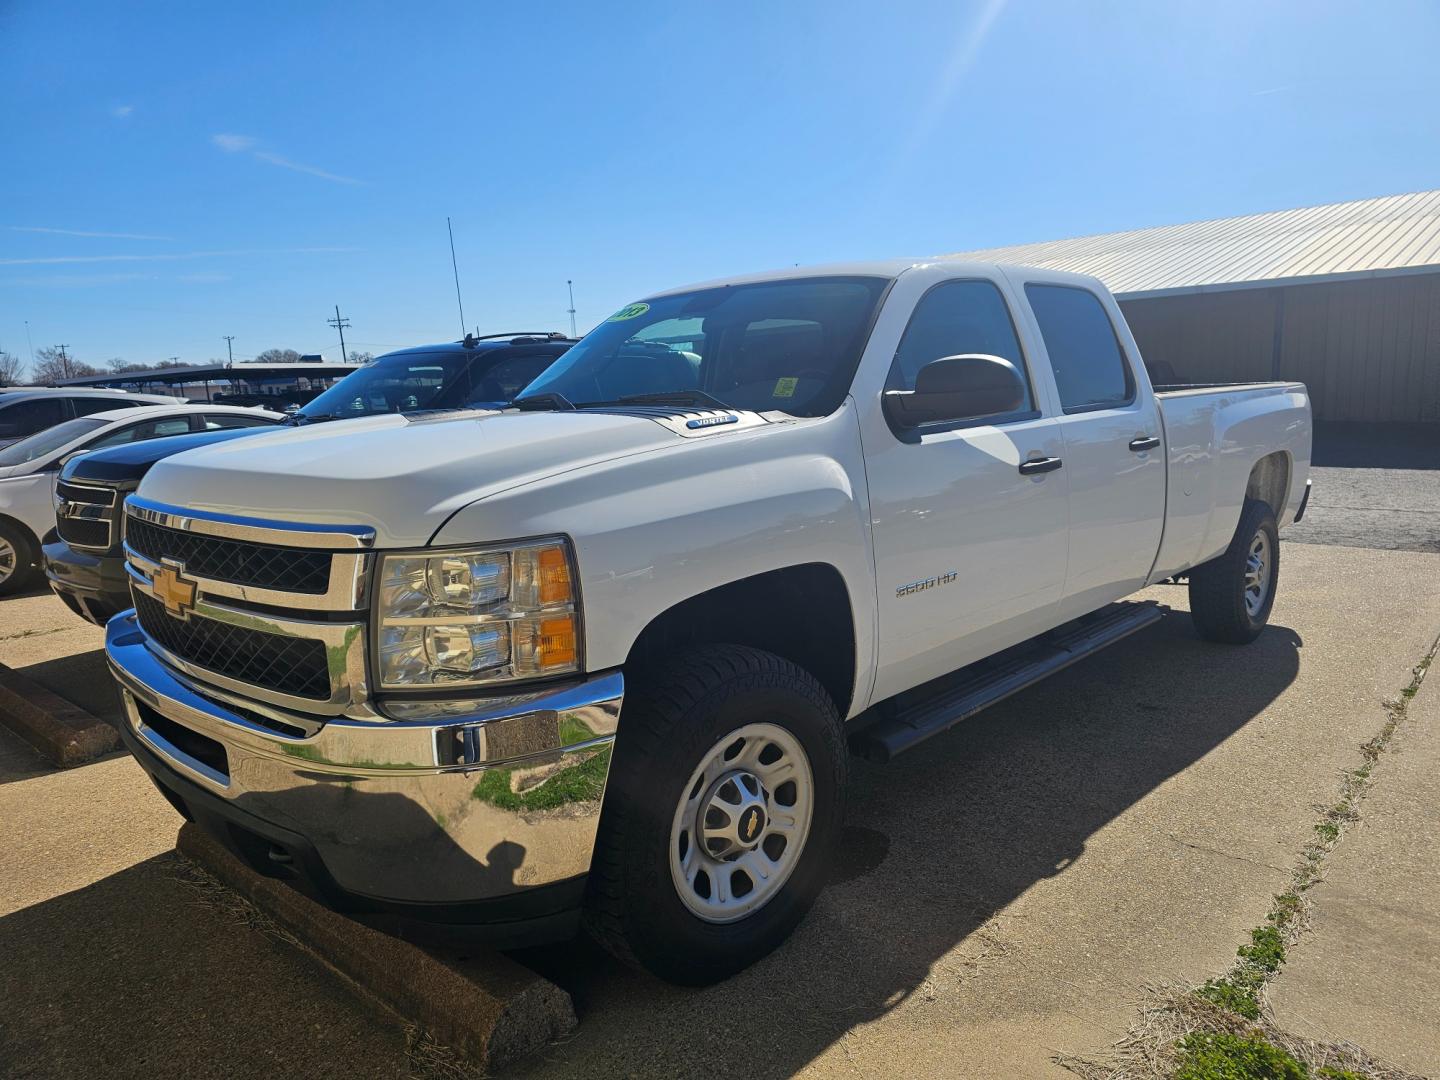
<point x="936" y="844"/>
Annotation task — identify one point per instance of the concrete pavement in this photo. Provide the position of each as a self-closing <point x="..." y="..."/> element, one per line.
<point x="1004" y="894"/>
<point x="1367" y="973"/>
<point x="1008" y="892"/>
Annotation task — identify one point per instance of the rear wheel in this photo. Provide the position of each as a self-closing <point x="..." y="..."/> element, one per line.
<point x="17" y="559"/>
<point x="1231" y="595"/>
<point x="724" y="803"/>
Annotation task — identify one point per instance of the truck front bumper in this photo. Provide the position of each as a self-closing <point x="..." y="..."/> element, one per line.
<point x="483" y="813"/>
<point x="94" y="587"/>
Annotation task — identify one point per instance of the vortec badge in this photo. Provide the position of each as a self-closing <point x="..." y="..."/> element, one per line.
<point x="172" y="590"/>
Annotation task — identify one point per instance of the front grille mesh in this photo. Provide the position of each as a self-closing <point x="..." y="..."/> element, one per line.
<point x="80" y="532"/>
<point x="264" y="567"/>
<point x="284" y="664"/>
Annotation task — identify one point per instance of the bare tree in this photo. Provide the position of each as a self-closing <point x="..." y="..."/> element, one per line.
<point x="51" y="365"/>
<point x="278" y="356"/>
<point x="10" y="368"/>
<point x="357" y="357"/>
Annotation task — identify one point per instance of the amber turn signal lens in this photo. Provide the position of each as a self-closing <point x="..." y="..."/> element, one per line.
<point x="554" y="576"/>
<point x="558" y="647"/>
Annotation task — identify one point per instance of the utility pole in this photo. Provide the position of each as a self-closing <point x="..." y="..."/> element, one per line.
<point x="340" y="323"/>
<point x="229" y="352"/>
<point x="571" y="286"/>
<point x="64" y="361"/>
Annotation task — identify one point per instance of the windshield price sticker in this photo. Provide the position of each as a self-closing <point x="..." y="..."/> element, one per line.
<point x="785" y="387"/>
<point x="630" y="311"/>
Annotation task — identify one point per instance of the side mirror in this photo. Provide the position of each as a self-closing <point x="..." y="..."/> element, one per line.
<point x="957" y="388"/>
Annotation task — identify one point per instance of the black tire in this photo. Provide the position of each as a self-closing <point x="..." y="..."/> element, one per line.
<point x="672" y="718"/>
<point x="1218" y="602"/>
<point x="25" y="570"/>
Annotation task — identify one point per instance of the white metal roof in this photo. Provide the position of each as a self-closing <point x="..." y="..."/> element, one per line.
<point x="1397" y="234"/>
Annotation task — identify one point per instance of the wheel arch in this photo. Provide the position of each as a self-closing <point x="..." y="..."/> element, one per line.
<point x="802" y="612"/>
<point x="1269" y="481"/>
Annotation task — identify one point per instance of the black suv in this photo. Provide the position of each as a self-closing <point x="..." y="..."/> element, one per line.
<point x="84" y="559"/>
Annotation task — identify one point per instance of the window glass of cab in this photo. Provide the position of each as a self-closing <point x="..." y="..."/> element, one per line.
<point x="84" y="406"/>
<point x="217" y="421"/>
<point x="955" y="318"/>
<point x="29" y="416"/>
<point x="1090" y="370"/>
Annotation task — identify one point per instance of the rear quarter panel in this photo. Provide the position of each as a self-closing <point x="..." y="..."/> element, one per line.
<point x="1213" y="439"/>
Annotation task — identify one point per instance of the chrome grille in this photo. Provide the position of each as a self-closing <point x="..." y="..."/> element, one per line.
<point x="287" y="665"/>
<point x="272" y="611"/>
<point x="243" y="563"/>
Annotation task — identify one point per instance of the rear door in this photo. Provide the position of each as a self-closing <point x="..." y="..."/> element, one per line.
<point x="969" y="551"/>
<point x="1114" y="456"/>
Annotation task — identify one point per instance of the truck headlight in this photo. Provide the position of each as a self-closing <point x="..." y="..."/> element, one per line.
<point x="472" y="617"/>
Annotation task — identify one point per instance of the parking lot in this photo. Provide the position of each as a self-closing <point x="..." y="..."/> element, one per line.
<point x="1002" y="898"/>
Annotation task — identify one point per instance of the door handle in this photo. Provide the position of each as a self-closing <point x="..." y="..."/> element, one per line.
<point x="1144" y="442"/>
<point x="1039" y="465"/>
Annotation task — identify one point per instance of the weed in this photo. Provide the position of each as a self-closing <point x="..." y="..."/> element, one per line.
<point x="581" y="783"/>
<point x="1222" y="1056"/>
<point x="1224" y="994"/>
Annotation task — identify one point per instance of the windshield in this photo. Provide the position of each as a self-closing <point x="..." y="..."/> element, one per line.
<point x="47" y="441"/>
<point x="790" y="346"/>
<point x="410" y="382"/>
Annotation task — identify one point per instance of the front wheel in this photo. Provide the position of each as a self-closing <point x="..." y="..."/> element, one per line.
<point x="1232" y="594"/>
<point x="724" y="804"/>
<point x="17" y="559"/>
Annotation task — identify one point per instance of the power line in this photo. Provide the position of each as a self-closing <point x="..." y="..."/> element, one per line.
<point x="571" y="286"/>
<point x="341" y="324"/>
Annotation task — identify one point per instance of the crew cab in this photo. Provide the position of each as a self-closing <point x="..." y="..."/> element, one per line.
<point x="83" y="557"/>
<point x="604" y="654"/>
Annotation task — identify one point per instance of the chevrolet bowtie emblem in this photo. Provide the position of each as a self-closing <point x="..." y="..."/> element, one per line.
<point x="172" y="590"/>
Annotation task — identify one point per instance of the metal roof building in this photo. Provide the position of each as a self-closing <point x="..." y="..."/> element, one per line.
<point x="1344" y="297"/>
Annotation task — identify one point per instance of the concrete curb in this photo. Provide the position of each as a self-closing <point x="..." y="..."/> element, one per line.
<point x="495" y="1014"/>
<point x="64" y="733"/>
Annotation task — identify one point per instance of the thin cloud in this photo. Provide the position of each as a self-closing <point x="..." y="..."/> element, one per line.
<point x="1273" y="90"/>
<point x="242" y="144"/>
<point x="233" y="144"/>
<point x="967" y="51"/>
<point x="64" y="260"/>
<point x="85" y="233"/>
<point x="122" y="112"/>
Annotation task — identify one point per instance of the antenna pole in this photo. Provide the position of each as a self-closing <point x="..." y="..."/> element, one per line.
<point x="455" y="267"/>
<point x="571" y="286"/>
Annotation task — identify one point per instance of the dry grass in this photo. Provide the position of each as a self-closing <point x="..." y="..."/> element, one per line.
<point x="1150" y="1049"/>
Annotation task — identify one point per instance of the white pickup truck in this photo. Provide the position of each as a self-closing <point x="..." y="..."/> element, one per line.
<point x="602" y="652"/>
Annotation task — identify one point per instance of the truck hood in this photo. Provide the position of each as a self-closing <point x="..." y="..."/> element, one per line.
<point x="402" y="478"/>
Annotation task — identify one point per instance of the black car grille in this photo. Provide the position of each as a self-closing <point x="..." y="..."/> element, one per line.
<point x="89" y="532"/>
<point x="264" y="567"/>
<point x="78" y="493"/>
<point x="80" y="532"/>
<point x="284" y="664"/>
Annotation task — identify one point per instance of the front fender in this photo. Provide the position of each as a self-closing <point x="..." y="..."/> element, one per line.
<point x="657" y="528"/>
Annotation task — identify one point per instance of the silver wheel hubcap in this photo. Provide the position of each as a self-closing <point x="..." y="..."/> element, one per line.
<point x="7" y="560"/>
<point x="1257" y="573"/>
<point x="742" y="823"/>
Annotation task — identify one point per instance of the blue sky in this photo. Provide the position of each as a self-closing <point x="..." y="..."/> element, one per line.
<point x="176" y="172"/>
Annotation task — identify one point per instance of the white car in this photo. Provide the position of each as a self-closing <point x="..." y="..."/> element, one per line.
<point x="28" y="468"/>
<point x="601" y="653"/>
<point x="26" y="410"/>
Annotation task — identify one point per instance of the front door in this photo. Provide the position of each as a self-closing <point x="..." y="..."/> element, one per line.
<point x="969" y="552"/>
<point x="1113" y="448"/>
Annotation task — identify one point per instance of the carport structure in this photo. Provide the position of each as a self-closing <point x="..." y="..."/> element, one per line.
<point x="1343" y="297"/>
